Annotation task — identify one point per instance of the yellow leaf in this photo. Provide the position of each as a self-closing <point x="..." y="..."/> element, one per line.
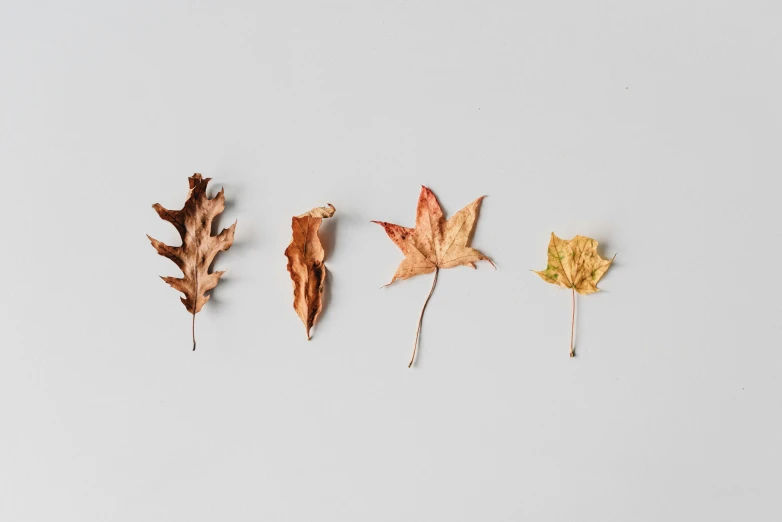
<point x="574" y="264"/>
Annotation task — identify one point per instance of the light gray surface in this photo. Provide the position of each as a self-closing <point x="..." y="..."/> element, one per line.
<point x="653" y="127"/>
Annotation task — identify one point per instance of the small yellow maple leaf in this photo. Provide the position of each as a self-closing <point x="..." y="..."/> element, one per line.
<point x="574" y="264"/>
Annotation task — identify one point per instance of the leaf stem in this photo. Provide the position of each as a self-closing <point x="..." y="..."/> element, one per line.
<point x="421" y="317"/>
<point x="194" y="341"/>
<point x="195" y="302"/>
<point x="573" y="323"/>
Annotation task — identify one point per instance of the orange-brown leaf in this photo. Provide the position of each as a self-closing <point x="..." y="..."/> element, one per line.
<point x="434" y="243"/>
<point x="305" y="263"/>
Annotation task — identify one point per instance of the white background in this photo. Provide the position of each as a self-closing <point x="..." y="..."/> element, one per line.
<point x="653" y="127"/>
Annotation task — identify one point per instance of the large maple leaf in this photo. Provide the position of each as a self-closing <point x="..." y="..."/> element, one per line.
<point x="305" y="263"/>
<point x="199" y="247"/>
<point x="576" y="265"/>
<point x="434" y="243"/>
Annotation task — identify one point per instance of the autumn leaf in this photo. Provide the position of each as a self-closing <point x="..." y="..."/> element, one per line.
<point x="199" y="247"/>
<point x="305" y="263"/>
<point x="433" y="244"/>
<point x="576" y="265"/>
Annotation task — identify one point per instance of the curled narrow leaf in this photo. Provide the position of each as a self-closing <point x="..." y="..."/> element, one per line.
<point x="199" y="247"/>
<point x="576" y="265"/>
<point x="434" y="243"/>
<point x="305" y="263"/>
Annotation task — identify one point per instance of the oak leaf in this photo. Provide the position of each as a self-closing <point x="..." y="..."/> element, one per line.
<point x="305" y="263"/>
<point x="434" y="243"/>
<point x="576" y="265"/>
<point x="199" y="247"/>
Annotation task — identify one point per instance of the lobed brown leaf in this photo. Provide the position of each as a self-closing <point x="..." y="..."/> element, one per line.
<point x="199" y="247"/>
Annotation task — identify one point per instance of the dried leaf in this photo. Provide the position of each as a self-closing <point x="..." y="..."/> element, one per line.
<point x="574" y="264"/>
<point x="305" y="263"/>
<point x="434" y="243"/>
<point x="199" y="247"/>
